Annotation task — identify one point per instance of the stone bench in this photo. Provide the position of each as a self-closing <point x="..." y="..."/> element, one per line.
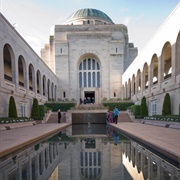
<point x="167" y="124"/>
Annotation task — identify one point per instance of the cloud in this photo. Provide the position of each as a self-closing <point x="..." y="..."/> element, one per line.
<point x="127" y="20"/>
<point x="123" y="10"/>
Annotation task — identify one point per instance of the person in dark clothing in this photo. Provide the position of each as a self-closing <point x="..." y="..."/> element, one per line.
<point x="59" y="116"/>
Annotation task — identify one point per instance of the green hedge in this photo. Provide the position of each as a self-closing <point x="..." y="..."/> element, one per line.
<point x="135" y="109"/>
<point x="122" y="106"/>
<point x="63" y="106"/>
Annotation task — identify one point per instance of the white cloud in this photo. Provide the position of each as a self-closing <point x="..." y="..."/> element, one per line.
<point x="127" y="20"/>
<point x="123" y="10"/>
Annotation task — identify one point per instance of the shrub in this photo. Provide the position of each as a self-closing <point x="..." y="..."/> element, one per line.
<point x="143" y="107"/>
<point x="120" y="105"/>
<point x="35" y="108"/>
<point x="104" y="99"/>
<point x="119" y="99"/>
<point x="135" y="109"/>
<point x="12" y="108"/>
<point x="6" y="120"/>
<point x="42" y="110"/>
<point x="63" y="106"/>
<point x="173" y="118"/>
<point x="166" y="110"/>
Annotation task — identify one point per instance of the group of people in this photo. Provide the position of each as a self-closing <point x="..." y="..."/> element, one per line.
<point x="112" y="116"/>
<point x="86" y="100"/>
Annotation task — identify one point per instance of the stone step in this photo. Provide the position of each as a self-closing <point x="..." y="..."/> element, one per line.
<point x="54" y="118"/>
<point x="124" y="117"/>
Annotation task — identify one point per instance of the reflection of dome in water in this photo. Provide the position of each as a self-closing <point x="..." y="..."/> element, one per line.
<point x="90" y="15"/>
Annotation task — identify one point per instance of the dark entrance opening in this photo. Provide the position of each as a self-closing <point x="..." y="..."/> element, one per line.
<point x="89" y="96"/>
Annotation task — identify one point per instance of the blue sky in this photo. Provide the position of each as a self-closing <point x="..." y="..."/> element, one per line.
<point x="35" y="17"/>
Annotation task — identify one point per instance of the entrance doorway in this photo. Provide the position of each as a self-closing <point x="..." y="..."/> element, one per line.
<point x="89" y="96"/>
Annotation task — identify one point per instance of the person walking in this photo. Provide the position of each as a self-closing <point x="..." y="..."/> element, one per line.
<point x="116" y="114"/>
<point x="59" y="116"/>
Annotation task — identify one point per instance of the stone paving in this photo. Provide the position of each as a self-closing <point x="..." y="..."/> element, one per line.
<point x="165" y="140"/>
<point x="11" y="140"/>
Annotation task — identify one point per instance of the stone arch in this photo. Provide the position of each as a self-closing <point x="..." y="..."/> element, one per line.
<point x="46" y="158"/>
<point x="52" y="90"/>
<point x="50" y="153"/>
<point x="41" y="168"/>
<point x="145" y="76"/>
<point x="31" y="74"/>
<point x="9" y="63"/>
<point x="129" y="88"/>
<point x="139" y="80"/>
<point x="177" y="63"/>
<point x="125" y="89"/>
<point x="48" y="89"/>
<point x="166" y="61"/>
<point x="22" y="74"/>
<point x="44" y="85"/>
<point x="55" y="92"/>
<point x="89" y="71"/>
<point x="133" y="85"/>
<point x="154" y="69"/>
<point x="38" y="81"/>
<point x="123" y="93"/>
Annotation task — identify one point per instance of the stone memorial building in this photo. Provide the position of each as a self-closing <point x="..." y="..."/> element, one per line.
<point x="89" y="54"/>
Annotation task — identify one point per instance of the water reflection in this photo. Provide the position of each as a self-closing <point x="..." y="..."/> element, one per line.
<point x="72" y="154"/>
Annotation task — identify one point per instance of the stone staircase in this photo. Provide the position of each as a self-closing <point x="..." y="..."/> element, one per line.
<point x="54" y="117"/>
<point x="124" y="117"/>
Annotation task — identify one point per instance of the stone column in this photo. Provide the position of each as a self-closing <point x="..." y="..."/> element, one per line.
<point x="160" y="70"/>
<point x="173" y="64"/>
<point x="35" y="82"/>
<point x="143" y="79"/>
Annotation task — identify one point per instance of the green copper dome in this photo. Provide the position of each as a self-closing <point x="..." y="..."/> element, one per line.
<point x="92" y="13"/>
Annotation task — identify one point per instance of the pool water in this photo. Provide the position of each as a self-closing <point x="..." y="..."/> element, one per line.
<point x="83" y="152"/>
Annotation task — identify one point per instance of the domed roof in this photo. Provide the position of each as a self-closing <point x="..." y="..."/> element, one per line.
<point x="93" y="13"/>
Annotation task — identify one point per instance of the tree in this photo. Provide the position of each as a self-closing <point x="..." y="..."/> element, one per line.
<point x="166" y="110"/>
<point x="35" y="108"/>
<point x="143" y="107"/>
<point x="12" y="108"/>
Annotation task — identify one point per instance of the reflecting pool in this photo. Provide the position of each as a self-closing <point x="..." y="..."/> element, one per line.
<point x="83" y="152"/>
